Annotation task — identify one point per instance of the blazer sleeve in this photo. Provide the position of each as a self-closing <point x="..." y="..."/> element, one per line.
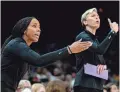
<point x="98" y="48"/>
<point x="28" y="55"/>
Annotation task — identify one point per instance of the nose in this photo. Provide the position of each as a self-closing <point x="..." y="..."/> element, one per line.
<point x="38" y="30"/>
<point x="97" y="17"/>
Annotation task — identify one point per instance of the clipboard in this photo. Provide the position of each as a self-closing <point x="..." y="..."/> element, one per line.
<point x="92" y="70"/>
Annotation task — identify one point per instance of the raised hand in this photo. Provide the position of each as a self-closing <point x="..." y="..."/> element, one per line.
<point x="113" y="26"/>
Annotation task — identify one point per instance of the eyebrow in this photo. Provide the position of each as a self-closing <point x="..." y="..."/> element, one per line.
<point x="36" y="24"/>
<point x="94" y="14"/>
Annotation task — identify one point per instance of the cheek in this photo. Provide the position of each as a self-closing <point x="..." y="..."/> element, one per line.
<point x="31" y="32"/>
<point x="90" y="22"/>
<point x="41" y="90"/>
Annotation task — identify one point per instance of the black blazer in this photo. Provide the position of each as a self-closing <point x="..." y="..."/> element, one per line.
<point x="92" y="56"/>
<point x="17" y="56"/>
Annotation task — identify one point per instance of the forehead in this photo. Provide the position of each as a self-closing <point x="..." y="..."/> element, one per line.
<point x="113" y="86"/>
<point x="35" y="21"/>
<point x="92" y="13"/>
<point x="41" y="88"/>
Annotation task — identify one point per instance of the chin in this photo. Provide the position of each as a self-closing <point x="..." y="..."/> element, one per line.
<point x="97" y="26"/>
<point x="35" y="40"/>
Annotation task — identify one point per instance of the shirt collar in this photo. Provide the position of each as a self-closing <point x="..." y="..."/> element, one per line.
<point x="91" y="35"/>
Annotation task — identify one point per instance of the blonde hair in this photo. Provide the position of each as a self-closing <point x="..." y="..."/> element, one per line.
<point x="37" y="86"/>
<point x="84" y="15"/>
<point x="22" y="84"/>
<point x="56" y="86"/>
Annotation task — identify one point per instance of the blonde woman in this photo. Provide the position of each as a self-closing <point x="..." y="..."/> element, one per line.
<point x="38" y="87"/>
<point x="94" y="55"/>
<point x="24" y="86"/>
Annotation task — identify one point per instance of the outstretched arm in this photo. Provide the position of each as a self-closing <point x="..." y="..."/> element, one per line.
<point x="28" y="55"/>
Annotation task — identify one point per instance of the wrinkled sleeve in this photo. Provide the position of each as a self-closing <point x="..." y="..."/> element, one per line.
<point x="28" y="55"/>
<point x="98" y="48"/>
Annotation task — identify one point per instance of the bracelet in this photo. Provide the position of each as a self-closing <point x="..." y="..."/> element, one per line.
<point x="69" y="49"/>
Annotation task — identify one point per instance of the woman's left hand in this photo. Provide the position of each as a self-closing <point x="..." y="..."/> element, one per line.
<point x="113" y="26"/>
<point x="101" y="68"/>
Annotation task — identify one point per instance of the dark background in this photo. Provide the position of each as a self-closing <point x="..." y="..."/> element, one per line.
<point x="60" y="23"/>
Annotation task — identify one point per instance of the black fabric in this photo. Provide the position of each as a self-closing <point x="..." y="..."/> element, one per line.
<point x="100" y="57"/>
<point x="93" y="55"/>
<point x="6" y="88"/>
<point x="17" y="56"/>
<point x="84" y="89"/>
<point x="6" y="42"/>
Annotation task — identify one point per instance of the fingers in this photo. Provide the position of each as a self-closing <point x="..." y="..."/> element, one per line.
<point x="86" y="43"/>
<point x="90" y="43"/>
<point x="78" y="46"/>
<point x="84" y="48"/>
<point x="109" y="21"/>
<point x="113" y="25"/>
<point x="100" y="68"/>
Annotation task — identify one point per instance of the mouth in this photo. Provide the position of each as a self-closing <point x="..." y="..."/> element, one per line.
<point x="97" y="22"/>
<point x="37" y="35"/>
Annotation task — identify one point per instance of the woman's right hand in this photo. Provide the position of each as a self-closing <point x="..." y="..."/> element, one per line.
<point x="79" y="46"/>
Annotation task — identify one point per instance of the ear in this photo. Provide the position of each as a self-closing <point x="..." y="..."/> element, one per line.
<point x="85" y="22"/>
<point x="25" y="31"/>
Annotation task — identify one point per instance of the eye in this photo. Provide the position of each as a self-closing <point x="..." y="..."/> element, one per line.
<point x="98" y="16"/>
<point x="34" y="26"/>
<point x="93" y="15"/>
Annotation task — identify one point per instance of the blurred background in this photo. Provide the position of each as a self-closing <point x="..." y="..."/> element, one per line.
<point x="60" y="24"/>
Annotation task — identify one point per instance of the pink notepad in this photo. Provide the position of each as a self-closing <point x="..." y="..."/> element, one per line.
<point x="92" y="70"/>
